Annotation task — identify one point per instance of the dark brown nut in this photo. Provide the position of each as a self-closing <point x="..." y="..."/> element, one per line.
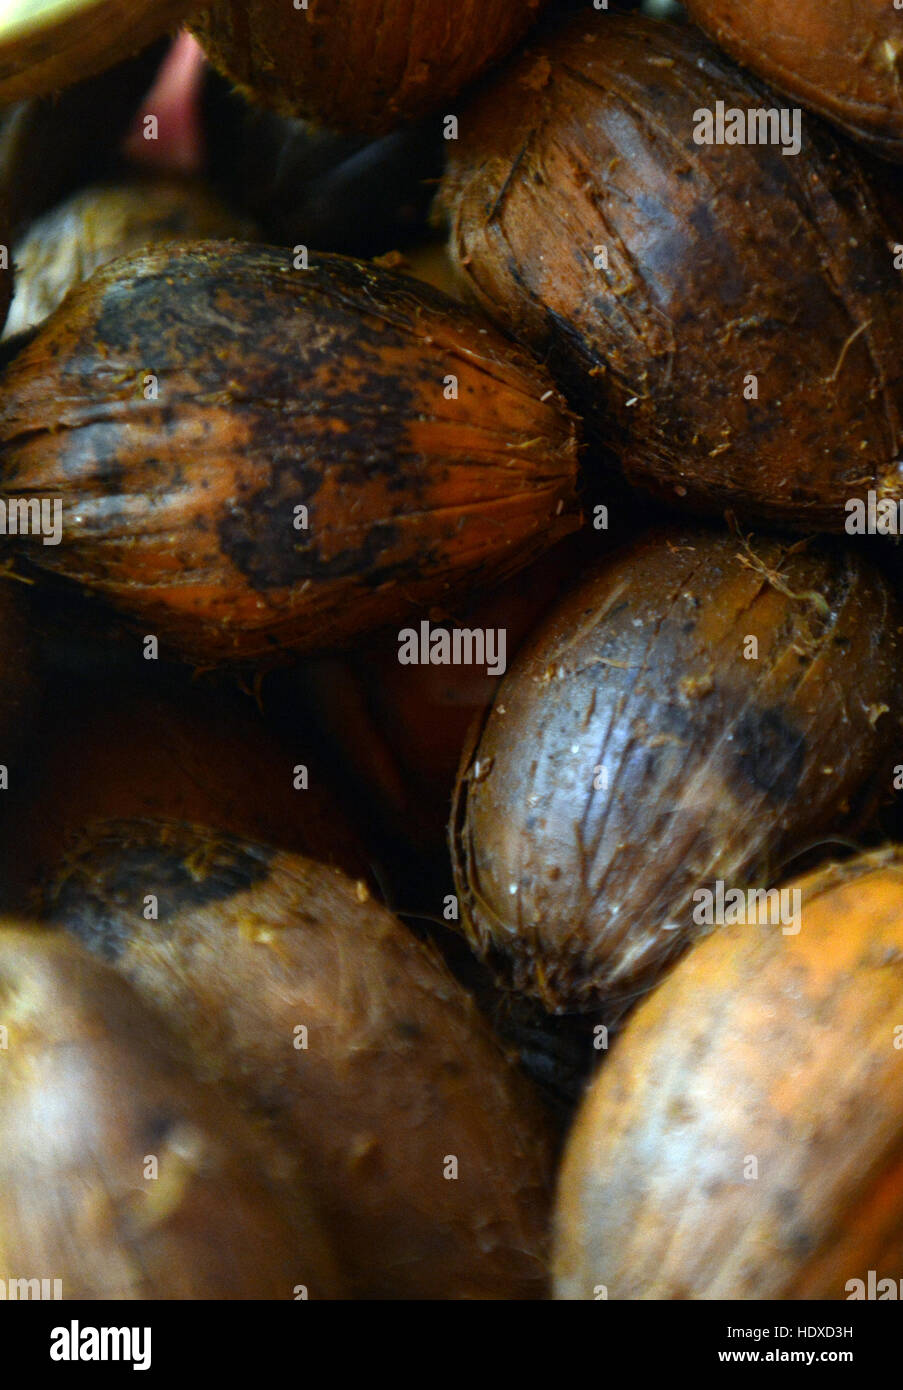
<point x="361" y="65"/>
<point x="120" y="1174"/>
<point x="135" y="748"/>
<point x="743" y="1141"/>
<point x="699" y="709"/>
<point x="67" y="244"/>
<point x="426" y="1151"/>
<point x="728" y="317"/>
<point x="254" y="458"/>
<point x="844" y="61"/>
<point x="50" y="45"/>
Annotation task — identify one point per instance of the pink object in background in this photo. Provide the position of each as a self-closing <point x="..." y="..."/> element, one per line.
<point x="174" y="101"/>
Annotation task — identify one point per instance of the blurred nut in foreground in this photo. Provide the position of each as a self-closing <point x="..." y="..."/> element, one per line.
<point x="119" y="1173"/>
<point x="333" y="1026"/>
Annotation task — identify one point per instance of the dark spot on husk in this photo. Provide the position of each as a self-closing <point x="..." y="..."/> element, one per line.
<point x="100" y="898"/>
<point x="770" y="753"/>
<point x="787" y="1203"/>
<point x="159" y="1124"/>
<point x="317" y="401"/>
<point x="13" y="345"/>
<point x="801" y="1243"/>
<point x="262" y="543"/>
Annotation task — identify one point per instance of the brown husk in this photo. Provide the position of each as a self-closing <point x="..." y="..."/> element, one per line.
<point x="743" y="1141"/>
<point x="725" y="263"/>
<point x="278" y="387"/>
<point x="844" y="61"/>
<point x="634" y="755"/>
<point x="359" y="65"/>
<point x="94" y="1086"/>
<point x="396" y="1076"/>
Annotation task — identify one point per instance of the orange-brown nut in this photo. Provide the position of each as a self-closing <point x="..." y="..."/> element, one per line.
<point x="844" y="61"/>
<point x="745" y="1138"/>
<point x="254" y="457"/>
<point x="362" y="65"/>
